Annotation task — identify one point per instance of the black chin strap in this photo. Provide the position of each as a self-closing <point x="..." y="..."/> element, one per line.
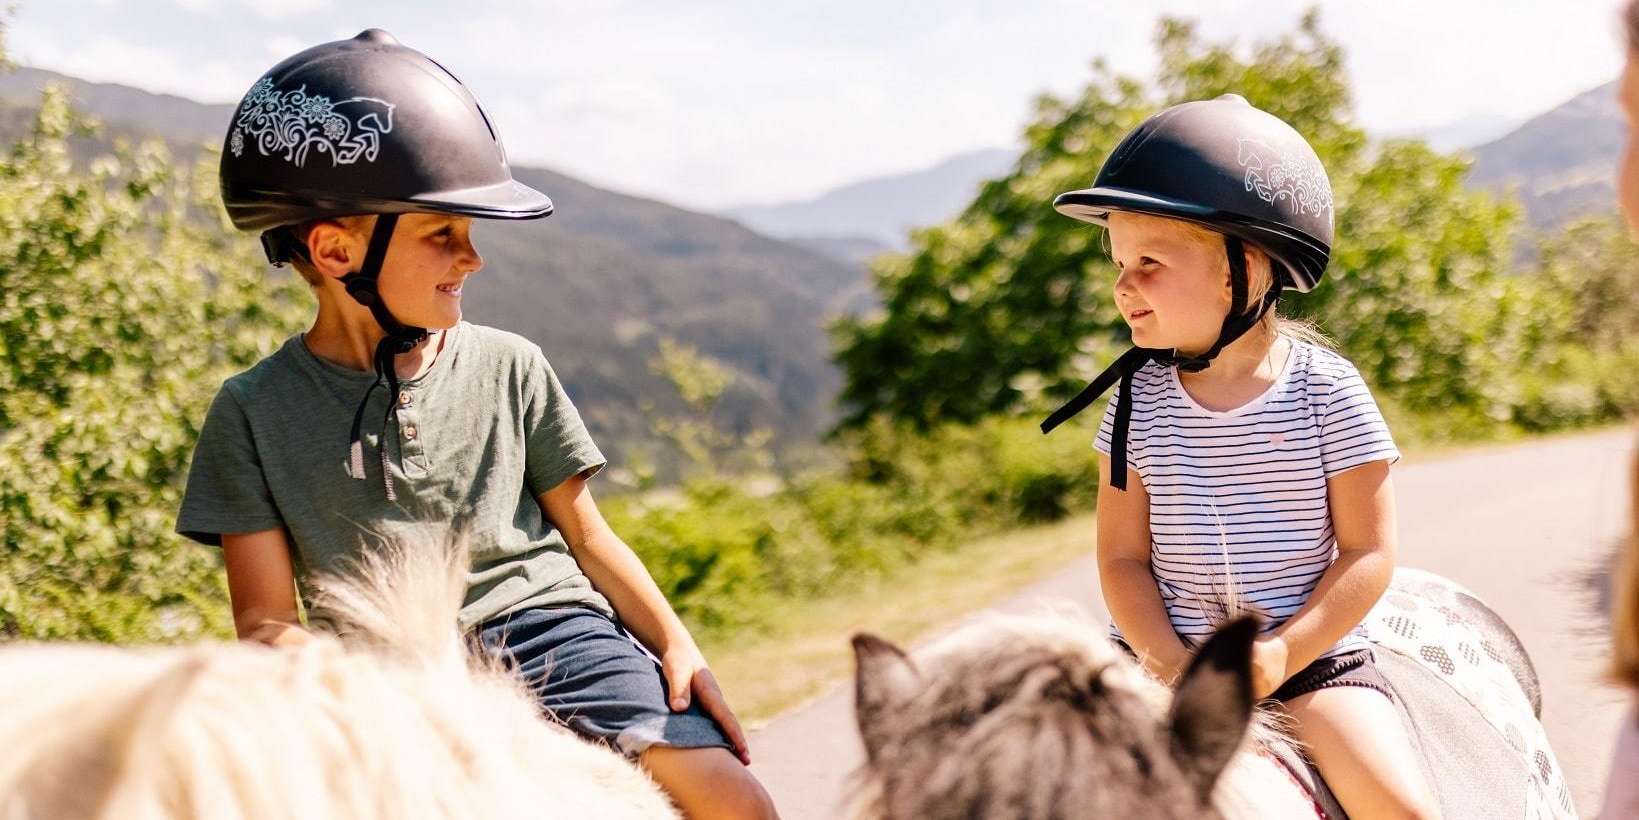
<point x="400" y="338"/>
<point x="1236" y="324"/>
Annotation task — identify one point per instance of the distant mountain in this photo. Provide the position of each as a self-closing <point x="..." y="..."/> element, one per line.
<point x="1462" y="133"/>
<point x="162" y="115"/>
<point x="598" y="285"/>
<point x="1562" y="162"/>
<point x="882" y="208"/>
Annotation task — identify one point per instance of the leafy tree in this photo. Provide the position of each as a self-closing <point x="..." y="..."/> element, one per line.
<point x="125" y="300"/>
<point x="1008" y="306"/>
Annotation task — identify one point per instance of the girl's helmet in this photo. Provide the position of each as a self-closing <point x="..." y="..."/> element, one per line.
<point x="1228" y="166"/>
<point x="1235" y="169"/>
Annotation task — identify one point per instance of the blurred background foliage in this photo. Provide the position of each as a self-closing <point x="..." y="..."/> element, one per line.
<point x="125" y="300"/>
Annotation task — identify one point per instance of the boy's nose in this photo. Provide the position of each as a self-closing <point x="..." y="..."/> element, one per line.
<point x="470" y="261"/>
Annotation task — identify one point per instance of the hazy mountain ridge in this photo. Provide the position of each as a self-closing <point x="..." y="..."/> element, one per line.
<point x="882" y="208"/>
<point x="598" y="285"/>
<point x="1562" y="162"/>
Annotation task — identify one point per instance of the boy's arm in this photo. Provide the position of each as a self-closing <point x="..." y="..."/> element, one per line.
<point x="262" y="586"/>
<point x="617" y="573"/>
<point x="1130" y="591"/>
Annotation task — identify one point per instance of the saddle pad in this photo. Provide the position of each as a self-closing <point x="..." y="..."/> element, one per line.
<point x="1446" y="674"/>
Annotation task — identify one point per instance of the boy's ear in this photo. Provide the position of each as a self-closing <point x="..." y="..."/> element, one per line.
<point x="335" y="247"/>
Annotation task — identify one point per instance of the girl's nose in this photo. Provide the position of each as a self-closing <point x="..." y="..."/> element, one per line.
<point x="1124" y="283"/>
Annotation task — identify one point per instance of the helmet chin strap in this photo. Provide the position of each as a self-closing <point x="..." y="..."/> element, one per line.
<point x="400" y="338"/>
<point x="1238" y="321"/>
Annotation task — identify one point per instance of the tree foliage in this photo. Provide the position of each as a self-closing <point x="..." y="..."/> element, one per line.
<point x="125" y="300"/>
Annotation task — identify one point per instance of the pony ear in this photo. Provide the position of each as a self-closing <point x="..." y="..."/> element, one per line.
<point x="1212" y="703"/>
<point x="884" y="677"/>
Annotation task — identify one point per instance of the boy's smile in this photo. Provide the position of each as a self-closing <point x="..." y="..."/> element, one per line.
<point x="426" y="269"/>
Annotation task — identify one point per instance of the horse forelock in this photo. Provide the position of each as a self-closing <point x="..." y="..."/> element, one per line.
<point x="1038" y="716"/>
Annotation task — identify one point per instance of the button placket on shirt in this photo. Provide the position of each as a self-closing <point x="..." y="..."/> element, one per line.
<point x="412" y="453"/>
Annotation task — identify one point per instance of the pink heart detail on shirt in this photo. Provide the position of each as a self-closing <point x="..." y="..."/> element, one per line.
<point x="1277" y="438"/>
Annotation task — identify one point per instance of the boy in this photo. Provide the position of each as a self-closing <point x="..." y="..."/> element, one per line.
<point x="363" y="163"/>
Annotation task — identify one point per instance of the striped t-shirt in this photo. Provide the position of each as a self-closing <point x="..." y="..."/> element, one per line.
<point x="1238" y="498"/>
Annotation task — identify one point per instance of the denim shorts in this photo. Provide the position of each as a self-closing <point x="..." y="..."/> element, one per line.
<point x="590" y="675"/>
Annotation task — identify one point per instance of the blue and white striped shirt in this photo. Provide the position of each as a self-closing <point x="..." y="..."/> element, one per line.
<point x="1238" y="498"/>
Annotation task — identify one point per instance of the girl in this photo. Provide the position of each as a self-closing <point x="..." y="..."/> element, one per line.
<point x="1246" y="465"/>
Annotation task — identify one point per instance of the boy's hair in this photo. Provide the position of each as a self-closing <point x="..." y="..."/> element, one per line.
<point x="1625" y="606"/>
<point x="298" y="236"/>
<point x="1260" y="278"/>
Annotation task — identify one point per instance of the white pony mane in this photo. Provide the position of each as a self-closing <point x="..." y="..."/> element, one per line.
<point x="395" y="720"/>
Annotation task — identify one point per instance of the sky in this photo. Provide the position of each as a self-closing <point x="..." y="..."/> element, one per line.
<point x="714" y="103"/>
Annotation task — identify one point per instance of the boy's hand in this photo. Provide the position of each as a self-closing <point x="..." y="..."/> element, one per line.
<point x="1269" y="658"/>
<point x="687" y="677"/>
<point x="279" y="634"/>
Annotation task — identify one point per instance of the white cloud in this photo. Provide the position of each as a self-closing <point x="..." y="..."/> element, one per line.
<point x="716" y="102"/>
<point x="102" y="58"/>
<point x="281" y="9"/>
<point x="197" y="5"/>
<point x="285" y="45"/>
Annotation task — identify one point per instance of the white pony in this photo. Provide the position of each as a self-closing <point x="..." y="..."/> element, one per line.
<point x="1043" y="717"/>
<point x="395" y="720"/>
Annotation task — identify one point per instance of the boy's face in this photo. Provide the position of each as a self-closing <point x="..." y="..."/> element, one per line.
<point x="1173" y="290"/>
<point x="430" y="258"/>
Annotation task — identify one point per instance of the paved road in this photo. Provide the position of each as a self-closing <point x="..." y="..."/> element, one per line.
<point x="1523" y="527"/>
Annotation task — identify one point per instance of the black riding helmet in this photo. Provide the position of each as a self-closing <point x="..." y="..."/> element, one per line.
<point x="364" y="126"/>
<point x="1235" y="169"/>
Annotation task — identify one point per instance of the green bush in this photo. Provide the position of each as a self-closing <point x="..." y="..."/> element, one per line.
<point x="124" y="303"/>
<point x="726" y="558"/>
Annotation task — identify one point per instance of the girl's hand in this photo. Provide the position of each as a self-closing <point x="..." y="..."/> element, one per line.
<point x="279" y="635"/>
<point x="687" y="677"/>
<point x="1269" y="658"/>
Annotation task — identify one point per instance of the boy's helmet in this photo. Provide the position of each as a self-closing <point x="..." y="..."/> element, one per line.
<point x="365" y="126"/>
<point x="1226" y="165"/>
<point x="1235" y="169"/>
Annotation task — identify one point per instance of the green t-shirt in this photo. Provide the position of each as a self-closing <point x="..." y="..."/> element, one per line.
<point x="478" y="436"/>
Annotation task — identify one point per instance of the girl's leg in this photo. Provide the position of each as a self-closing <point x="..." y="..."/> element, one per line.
<point x="1354" y="735"/>
<point x="708" y="783"/>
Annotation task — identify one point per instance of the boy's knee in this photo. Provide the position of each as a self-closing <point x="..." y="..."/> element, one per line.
<point x="709" y="783"/>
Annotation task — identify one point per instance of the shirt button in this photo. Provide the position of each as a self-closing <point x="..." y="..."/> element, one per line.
<point x="409" y="432"/>
<point x="404" y="398"/>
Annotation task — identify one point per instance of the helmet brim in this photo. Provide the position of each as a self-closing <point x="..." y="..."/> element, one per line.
<point x="259" y="210"/>
<point x="509" y="199"/>
<point x="1304" y="257"/>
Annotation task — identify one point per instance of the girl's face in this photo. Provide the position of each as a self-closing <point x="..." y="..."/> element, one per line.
<point x="1174" y="285"/>
<point x="1628" y="178"/>
<point x="430" y="258"/>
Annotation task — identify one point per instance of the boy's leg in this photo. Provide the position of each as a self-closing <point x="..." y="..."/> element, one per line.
<point x="707" y="783"/>
<point x="1354" y="735"/>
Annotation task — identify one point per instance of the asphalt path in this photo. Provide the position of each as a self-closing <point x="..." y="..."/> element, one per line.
<point x="1529" y="528"/>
